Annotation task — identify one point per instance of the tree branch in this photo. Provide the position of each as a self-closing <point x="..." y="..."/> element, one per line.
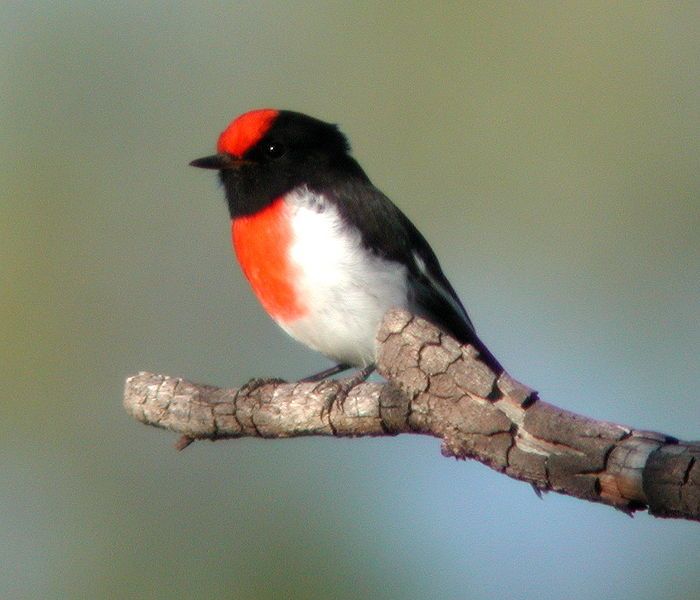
<point x="437" y="387"/>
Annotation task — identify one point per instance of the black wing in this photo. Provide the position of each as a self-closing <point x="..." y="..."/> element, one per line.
<point x="390" y="234"/>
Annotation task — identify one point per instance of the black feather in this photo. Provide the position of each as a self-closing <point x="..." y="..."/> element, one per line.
<point x="389" y="234"/>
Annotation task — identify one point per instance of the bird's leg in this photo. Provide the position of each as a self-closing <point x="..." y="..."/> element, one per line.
<point x="325" y="374"/>
<point x="359" y="377"/>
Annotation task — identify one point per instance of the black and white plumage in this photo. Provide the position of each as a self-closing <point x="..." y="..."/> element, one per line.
<point x="325" y="251"/>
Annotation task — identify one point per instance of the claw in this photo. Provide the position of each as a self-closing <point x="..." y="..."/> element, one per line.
<point x="257" y="382"/>
<point x="344" y="385"/>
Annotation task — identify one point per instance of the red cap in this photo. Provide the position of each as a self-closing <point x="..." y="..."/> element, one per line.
<point x="246" y="131"/>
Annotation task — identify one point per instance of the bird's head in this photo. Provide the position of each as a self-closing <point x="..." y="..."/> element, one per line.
<point x="263" y="154"/>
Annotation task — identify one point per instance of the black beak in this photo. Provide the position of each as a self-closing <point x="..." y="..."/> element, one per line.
<point x="217" y="161"/>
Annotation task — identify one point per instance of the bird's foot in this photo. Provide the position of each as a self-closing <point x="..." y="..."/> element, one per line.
<point x="342" y="387"/>
<point x="357" y="378"/>
<point x="257" y="382"/>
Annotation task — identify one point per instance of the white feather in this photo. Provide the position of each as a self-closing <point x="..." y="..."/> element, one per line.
<point x="345" y="288"/>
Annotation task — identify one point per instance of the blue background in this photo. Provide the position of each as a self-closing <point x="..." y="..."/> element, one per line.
<point x="548" y="151"/>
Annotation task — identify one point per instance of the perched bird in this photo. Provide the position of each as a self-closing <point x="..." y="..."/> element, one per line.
<point x="326" y="253"/>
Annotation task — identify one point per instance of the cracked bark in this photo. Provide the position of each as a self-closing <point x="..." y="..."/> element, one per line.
<point x="437" y="387"/>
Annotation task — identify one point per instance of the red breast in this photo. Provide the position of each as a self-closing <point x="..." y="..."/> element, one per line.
<point x="261" y="242"/>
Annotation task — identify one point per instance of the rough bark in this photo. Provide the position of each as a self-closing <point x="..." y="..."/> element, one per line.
<point x="437" y="387"/>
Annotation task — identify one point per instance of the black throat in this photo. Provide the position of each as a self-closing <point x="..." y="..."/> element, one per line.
<point x="253" y="186"/>
<point x="297" y="151"/>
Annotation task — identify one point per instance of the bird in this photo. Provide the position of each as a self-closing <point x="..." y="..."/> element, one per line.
<point x="324" y="250"/>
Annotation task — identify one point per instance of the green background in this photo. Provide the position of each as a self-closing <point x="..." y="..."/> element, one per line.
<point x="548" y="150"/>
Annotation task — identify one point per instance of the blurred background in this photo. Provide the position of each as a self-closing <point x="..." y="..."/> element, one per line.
<point x="548" y="151"/>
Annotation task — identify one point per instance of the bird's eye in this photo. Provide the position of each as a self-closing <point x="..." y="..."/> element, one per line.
<point x="275" y="150"/>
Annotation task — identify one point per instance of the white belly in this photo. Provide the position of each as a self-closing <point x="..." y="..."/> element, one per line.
<point x="346" y="290"/>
